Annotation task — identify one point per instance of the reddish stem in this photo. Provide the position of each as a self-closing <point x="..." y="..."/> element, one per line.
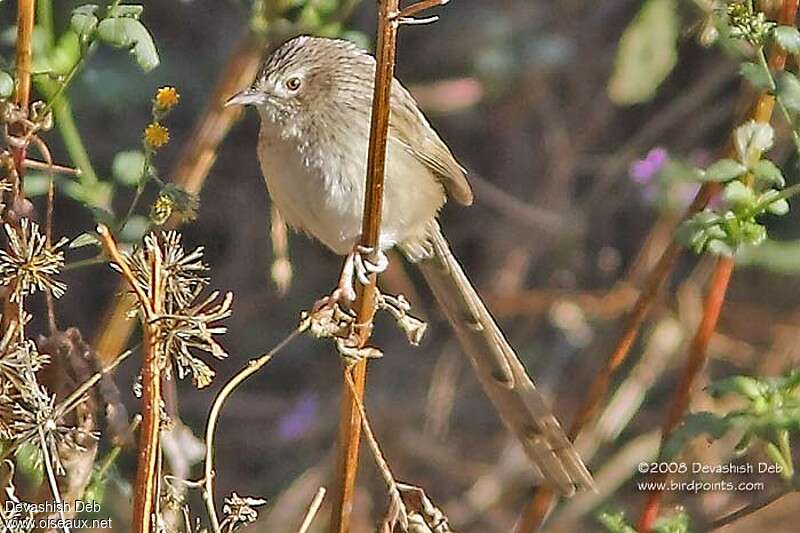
<point x="350" y="421"/>
<point x="698" y="354"/>
<point x="537" y="509"/>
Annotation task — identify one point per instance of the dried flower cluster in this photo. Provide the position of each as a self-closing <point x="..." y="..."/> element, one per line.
<point x="29" y="415"/>
<point x="30" y="264"/>
<point x="190" y="321"/>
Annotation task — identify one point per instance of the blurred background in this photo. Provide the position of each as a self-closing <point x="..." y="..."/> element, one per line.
<point x="577" y="177"/>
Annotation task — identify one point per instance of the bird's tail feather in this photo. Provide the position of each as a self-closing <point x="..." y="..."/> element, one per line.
<point x="503" y="377"/>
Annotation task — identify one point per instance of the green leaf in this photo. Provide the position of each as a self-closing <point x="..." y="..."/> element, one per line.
<point x="97" y="194"/>
<point x="780" y="207"/>
<point x="723" y="171"/>
<point x="789" y="91"/>
<point x="65" y="54"/>
<point x="84" y="21"/>
<point x="135" y="228"/>
<point x="738" y="196"/>
<point x="788" y="38"/>
<point x="647" y="53"/>
<point x="676" y="523"/>
<point x="29" y="462"/>
<point x="746" y="386"/>
<point x="124" y="32"/>
<point x="757" y="75"/>
<point x="126" y="10"/>
<point x="85" y="239"/>
<point x="6" y="84"/>
<point x="768" y="173"/>
<point x="614" y="522"/>
<point x="695" y="424"/>
<point x="128" y="167"/>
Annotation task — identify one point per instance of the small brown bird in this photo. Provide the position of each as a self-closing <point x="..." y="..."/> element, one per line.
<point x="314" y="96"/>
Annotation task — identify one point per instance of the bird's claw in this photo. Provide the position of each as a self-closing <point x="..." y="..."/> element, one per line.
<point x="356" y="266"/>
<point x="364" y="267"/>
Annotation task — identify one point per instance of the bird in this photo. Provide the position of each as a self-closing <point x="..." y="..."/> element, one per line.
<point x="314" y="98"/>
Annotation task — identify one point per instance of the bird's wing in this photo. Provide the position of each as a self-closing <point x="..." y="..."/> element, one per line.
<point x="409" y="127"/>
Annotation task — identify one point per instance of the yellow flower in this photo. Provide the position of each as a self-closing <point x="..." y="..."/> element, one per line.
<point x="156" y="135"/>
<point x="167" y="98"/>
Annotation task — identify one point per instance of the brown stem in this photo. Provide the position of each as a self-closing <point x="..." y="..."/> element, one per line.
<point x="537" y="509"/>
<point x="25" y="13"/>
<point x="350" y="421"/>
<point x="145" y="502"/>
<point x="146" y="488"/>
<point x="25" y="17"/>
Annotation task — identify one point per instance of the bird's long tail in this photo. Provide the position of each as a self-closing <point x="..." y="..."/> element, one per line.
<point x="503" y="377"/>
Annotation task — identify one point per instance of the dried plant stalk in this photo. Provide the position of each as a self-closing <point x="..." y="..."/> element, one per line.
<point x="350" y="417"/>
<point x="146" y="488"/>
<point x="25" y="18"/>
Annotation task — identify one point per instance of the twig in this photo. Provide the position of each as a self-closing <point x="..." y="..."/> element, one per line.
<point x="51" y="193"/>
<point x="147" y="470"/>
<point x="313" y="509"/>
<point x="749" y="509"/>
<point x="43" y="165"/>
<point x="213" y="416"/>
<point x="51" y="478"/>
<point x="537" y="509"/>
<point x="396" y="505"/>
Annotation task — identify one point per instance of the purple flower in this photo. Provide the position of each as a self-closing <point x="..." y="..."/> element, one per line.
<point x="299" y="419"/>
<point x="643" y="170"/>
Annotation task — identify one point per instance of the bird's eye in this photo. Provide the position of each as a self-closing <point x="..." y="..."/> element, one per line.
<point x="293" y="83"/>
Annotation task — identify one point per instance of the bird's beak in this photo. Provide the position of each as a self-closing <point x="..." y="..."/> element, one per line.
<point x="247" y="97"/>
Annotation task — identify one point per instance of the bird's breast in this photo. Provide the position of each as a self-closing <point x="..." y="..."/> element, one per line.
<point x="319" y="188"/>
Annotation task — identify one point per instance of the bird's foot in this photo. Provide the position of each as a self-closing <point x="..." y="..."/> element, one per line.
<point x="364" y="267"/>
<point x="356" y="267"/>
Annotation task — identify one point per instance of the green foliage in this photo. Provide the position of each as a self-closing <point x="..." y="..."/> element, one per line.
<point x="748" y="24"/>
<point x="757" y="75"/>
<point x="776" y="256"/>
<point x="28" y="462"/>
<point x="647" y="53"/>
<point x="788" y="38"/>
<point x="129" y="167"/>
<point x="752" y="187"/>
<point x="614" y="521"/>
<point x="771" y="413"/>
<point x="723" y="170"/>
<point x="788" y="91"/>
<point x="128" y="32"/>
<point x="120" y="28"/>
